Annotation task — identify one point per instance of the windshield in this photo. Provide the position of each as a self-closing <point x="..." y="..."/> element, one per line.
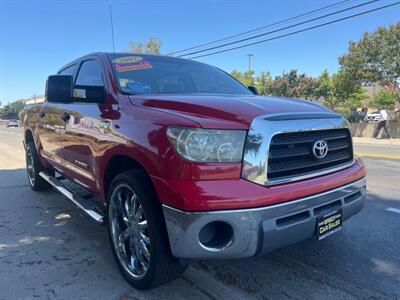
<point x="147" y="74"/>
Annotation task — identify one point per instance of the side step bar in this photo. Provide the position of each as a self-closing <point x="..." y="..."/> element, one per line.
<point x="75" y="199"/>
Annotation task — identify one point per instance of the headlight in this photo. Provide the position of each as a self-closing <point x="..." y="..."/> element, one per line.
<point x="207" y="145"/>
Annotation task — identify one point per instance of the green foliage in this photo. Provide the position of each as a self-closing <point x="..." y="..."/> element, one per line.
<point x="325" y="88"/>
<point x="292" y="85"/>
<point x="335" y="91"/>
<point x="375" y="58"/>
<point x="383" y="99"/>
<point x="152" y="46"/>
<point x="12" y="109"/>
<point x="348" y="93"/>
<point x="263" y="82"/>
<point x="246" y="77"/>
<point x="236" y="74"/>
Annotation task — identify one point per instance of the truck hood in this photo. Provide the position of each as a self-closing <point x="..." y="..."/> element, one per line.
<point x="225" y="111"/>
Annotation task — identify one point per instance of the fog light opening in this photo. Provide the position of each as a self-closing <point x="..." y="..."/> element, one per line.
<point x="216" y="235"/>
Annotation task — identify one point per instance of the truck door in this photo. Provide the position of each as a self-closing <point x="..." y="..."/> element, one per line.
<point x="83" y="135"/>
<point x="51" y="126"/>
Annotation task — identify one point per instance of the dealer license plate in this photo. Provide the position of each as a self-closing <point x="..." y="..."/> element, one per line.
<point x="329" y="223"/>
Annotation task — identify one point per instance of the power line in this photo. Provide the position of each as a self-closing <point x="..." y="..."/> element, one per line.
<point x="263" y="27"/>
<point x="299" y="31"/>
<point x="280" y="29"/>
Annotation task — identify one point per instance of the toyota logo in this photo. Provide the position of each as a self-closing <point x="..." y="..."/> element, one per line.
<point x="320" y="149"/>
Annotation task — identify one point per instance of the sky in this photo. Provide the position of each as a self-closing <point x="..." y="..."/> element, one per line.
<point x="38" y="37"/>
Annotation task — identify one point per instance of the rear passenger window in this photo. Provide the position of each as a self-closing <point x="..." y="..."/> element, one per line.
<point x="90" y="73"/>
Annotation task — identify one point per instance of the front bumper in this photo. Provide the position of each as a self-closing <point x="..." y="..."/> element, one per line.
<point x="256" y="231"/>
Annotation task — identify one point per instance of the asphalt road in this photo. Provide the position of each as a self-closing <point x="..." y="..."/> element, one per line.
<point x="48" y="249"/>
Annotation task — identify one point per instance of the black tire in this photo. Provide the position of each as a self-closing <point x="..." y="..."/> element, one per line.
<point x="163" y="267"/>
<point x="34" y="167"/>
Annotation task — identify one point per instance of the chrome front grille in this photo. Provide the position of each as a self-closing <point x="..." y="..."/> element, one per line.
<point x="291" y="154"/>
<point x="279" y="148"/>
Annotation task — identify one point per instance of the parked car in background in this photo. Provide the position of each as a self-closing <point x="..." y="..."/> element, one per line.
<point x="183" y="162"/>
<point x="373" y="116"/>
<point x="356" y="117"/>
<point x="12" y="123"/>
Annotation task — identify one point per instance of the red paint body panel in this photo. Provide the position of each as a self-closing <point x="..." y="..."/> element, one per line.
<point x="206" y="195"/>
<point x="222" y="111"/>
<point x="137" y="129"/>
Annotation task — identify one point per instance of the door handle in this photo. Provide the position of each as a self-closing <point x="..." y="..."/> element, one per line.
<point x="42" y="115"/>
<point x="65" y="116"/>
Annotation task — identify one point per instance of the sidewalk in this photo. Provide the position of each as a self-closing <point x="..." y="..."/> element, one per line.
<point x="372" y="141"/>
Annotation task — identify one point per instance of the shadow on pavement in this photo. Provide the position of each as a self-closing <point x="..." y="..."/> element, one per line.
<point x="49" y="249"/>
<point x="360" y="261"/>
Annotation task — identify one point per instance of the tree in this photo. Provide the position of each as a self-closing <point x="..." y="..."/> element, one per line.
<point x="264" y="82"/>
<point x="383" y="99"/>
<point x="339" y="91"/>
<point x="248" y="78"/>
<point x="245" y="78"/>
<point x="236" y="74"/>
<point x="349" y="93"/>
<point x="293" y="85"/>
<point x="375" y="58"/>
<point x="152" y="46"/>
<point x="325" y="89"/>
<point x="279" y="86"/>
<point x="306" y="87"/>
<point x="12" y="109"/>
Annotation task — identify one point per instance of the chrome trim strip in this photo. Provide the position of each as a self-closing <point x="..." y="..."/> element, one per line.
<point x="299" y="116"/>
<point x="264" y="128"/>
<point x="71" y="197"/>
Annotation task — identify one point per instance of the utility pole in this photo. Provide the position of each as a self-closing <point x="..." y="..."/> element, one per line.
<point x="250" y="57"/>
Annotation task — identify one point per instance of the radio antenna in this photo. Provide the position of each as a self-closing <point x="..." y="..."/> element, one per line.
<point x="112" y="29"/>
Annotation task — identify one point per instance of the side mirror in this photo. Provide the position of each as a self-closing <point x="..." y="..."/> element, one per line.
<point x="59" y="88"/>
<point x="253" y="89"/>
<point x="89" y="93"/>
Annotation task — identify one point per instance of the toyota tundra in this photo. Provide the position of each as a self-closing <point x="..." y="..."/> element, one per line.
<point x="183" y="162"/>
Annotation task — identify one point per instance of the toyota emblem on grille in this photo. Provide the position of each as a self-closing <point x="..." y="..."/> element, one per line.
<point x="320" y="149"/>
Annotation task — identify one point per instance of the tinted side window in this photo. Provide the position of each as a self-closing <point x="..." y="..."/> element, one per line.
<point x="69" y="71"/>
<point x="90" y="73"/>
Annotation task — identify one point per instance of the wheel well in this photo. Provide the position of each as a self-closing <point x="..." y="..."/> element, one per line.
<point x="117" y="165"/>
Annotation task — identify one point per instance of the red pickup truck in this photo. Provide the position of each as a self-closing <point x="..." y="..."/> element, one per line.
<point x="183" y="162"/>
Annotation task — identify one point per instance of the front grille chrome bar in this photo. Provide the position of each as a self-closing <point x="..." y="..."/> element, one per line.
<point x="264" y="128"/>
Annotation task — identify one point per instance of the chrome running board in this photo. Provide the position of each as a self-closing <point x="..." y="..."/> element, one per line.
<point x="86" y="205"/>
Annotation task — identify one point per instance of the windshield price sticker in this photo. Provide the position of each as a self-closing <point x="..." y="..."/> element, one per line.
<point x="131" y="63"/>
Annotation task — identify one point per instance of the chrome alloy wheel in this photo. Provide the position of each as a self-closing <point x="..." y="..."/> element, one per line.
<point x="30" y="166"/>
<point x="129" y="231"/>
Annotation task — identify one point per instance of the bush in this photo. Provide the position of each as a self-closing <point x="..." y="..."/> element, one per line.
<point x="383" y="99"/>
